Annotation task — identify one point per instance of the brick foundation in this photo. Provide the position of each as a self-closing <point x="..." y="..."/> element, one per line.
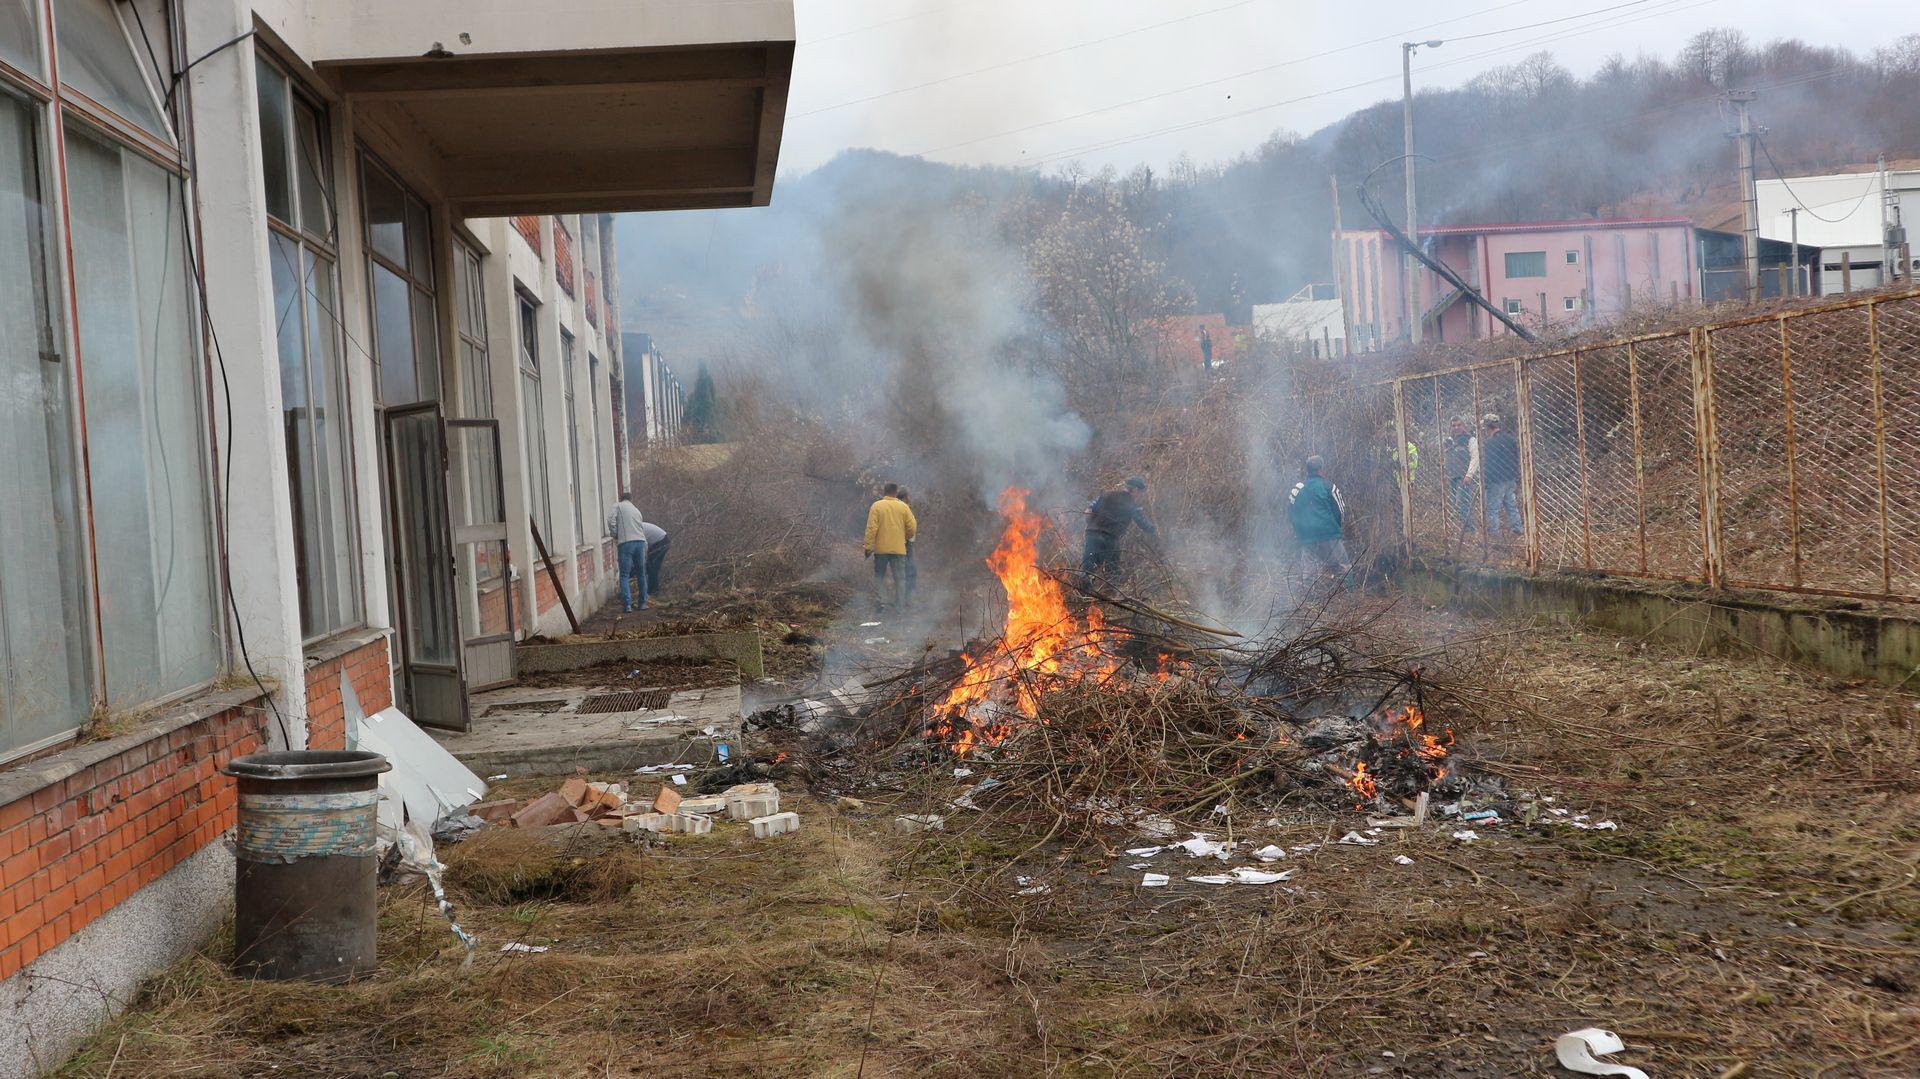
<point x="543" y="594"/>
<point x="371" y="676"/>
<point x="78" y="846"/>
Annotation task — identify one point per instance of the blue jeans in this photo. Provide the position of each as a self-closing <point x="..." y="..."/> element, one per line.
<point x="633" y="563"/>
<point x="1501" y="502"/>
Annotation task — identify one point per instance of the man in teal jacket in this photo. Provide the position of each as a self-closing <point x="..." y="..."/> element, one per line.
<point x="1318" y="515"/>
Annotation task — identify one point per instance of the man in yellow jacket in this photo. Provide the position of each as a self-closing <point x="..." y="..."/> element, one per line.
<point x="890" y="525"/>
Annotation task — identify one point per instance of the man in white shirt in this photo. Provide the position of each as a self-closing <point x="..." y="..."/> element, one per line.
<point x="630" y="539"/>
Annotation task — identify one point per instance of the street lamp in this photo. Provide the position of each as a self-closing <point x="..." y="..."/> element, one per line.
<point x="1407" y="49"/>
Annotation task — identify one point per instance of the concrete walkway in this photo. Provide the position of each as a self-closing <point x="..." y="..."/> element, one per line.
<point x="619" y="726"/>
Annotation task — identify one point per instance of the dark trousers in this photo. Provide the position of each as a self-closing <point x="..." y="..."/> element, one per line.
<point x="886" y="594"/>
<point x="656" y="560"/>
<point x="1101" y="556"/>
<point x="913" y="573"/>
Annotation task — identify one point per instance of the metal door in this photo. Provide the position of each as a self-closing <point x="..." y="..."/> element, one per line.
<point x="420" y="527"/>
<point x="480" y="552"/>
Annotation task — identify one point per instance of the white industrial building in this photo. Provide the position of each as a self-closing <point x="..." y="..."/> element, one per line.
<point x="1857" y="219"/>
<point x="307" y="329"/>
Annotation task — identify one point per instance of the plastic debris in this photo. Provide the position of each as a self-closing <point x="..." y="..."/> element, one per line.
<point x="1355" y="839"/>
<point x="679" y="780"/>
<point x="498" y="778"/>
<point x="1466" y="835"/>
<point x="1153" y="880"/>
<point x="920" y="822"/>
<point x="1144" y="852"/>
<point x="870" y="625"/>
<point x="1578" y="1049"/>
<point x="1401" y="859"/>
<point x="1202" y="847"/>
<point x="962" y="773"/>
<point x="1032" y="887"/>
<point x="523" y="949"/>
<point x="651" y="769"/>
<point x="1270" y="853"/>
<point x="1141" y="865"/>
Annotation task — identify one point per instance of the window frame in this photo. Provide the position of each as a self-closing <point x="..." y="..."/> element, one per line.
<point x="599" y="471"/>
<point x="1573" y="257"/>
<point x="419" y="290"/>
<point x="1514" y="307"/>
<point x="59" y="111"/>
<point x="327" y="247"/>
<point x="569" y="367"/>
<point x="1508" y="263"/>
<point x="528" y="346"/>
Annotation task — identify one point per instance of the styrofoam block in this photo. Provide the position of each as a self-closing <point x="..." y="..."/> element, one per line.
<point x="777" y="824"/>
<point x="689" y="823"/>
<point x="749" y="806"/>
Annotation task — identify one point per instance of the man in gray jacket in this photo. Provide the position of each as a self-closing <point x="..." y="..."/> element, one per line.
<point x="630" y="539"/>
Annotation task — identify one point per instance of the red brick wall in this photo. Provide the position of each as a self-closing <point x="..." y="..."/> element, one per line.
<point x="367" y="668"/>
<point x="493" y="607"/>
<point x="77" y="848"/>
<point x="543" y="594"/>
<point x="563" y="257"/>
<point x="529" y="227"/>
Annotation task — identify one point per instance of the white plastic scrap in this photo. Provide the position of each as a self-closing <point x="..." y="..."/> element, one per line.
<point x="1144" y="852"/>
<point x="679" y="780"/>
<point x="1202" y="847"/>
<point x="1401" y="859"/>
<point x="1153" y="880"/>
<point x="1466" y="835"/>
<point x="498" y="778"/>
<point x="962" y="773"/>
<point x="1031" y="887"/>
<point x="529" y="949"/>
<point x="1246" y="874"/>
<point x="1141" y="865"/>
<point x="1270" y="853"/>
<point x="869" y="625"/>
<point x="1220" y="811"/>
<point x="1577" y="1049"/>
<point x="1355" y="839"/>
<point x="652" y="768"/>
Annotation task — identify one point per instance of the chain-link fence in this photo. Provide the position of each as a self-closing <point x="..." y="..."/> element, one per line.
<point x="1780" y="451"/>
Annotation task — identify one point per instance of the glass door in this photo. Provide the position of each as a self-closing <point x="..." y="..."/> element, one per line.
<point x="425" y="567"/>
<point x="480" y="552"/>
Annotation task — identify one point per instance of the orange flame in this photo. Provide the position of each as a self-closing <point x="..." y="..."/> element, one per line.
<point x="1042" y="637"/>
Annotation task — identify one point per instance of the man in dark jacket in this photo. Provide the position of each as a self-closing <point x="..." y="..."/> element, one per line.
<point x="1500" y="464"/>
<point x="1318" y="515"/>
<point x="1107" y="520"/>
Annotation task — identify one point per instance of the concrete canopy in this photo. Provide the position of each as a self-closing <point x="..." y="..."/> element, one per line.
<point x="615" y="112"/>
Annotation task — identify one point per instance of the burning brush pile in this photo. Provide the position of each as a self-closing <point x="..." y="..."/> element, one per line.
<point x="1091" y="707"/>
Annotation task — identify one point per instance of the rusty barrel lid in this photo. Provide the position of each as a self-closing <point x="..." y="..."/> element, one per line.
<point x="309" y="764"/>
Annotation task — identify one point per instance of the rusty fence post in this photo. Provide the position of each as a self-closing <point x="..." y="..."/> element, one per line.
<point x="1793" y="476"/>
<point x="1523" y="419"/>
<point x="1706" y="455"/>
<point x="1880" y="446"/>
<point x="1403" y="476"/>
<point x="1639" y="456"/>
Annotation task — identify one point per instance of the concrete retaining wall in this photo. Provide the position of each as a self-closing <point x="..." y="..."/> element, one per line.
<point x="739" y="647"/>
<point x="1840" y="637"/>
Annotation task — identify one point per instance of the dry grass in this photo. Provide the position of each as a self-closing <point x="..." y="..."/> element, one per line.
<point x="1756" y="906"/>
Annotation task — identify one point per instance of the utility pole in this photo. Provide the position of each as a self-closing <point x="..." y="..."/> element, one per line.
<point x="1411" y="270"/>
<point x="1793" y="217"/>
<point x="1749" y="193"/>
<point x="1340" y="274"/>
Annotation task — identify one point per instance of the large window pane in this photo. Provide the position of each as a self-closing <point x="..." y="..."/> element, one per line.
<point x="386" y="212"/>
<point x="393" y="336"/>
<point x="152" y="537"/>
<point x="19" y="41"/>
<point x="310" y="173"/>
<point x="97" y="59"/>
<point x="426" y="346"/>
<point x="275" y="134"/>
<point x="296" y="410"/>
<point x="333" y="474"/>
<point x="43" y="625"/>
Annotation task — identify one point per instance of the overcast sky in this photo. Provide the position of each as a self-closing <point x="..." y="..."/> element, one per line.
<point x="1129" y="81"/>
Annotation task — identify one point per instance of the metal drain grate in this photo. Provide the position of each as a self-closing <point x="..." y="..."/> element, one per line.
<point x="523" y="707"/>
<point x="639" y="701"/>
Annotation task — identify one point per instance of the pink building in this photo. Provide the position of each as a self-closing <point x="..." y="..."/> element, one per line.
<point x="1542" y="274"/>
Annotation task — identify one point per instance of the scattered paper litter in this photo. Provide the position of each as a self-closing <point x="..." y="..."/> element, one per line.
<point x="1153" y="880"/>
<point x="1246" y="874"/>
<point x="876" y="640"/>
<point x="962" y="773"/>
<point x="1466" y="835"/>
<point x="516" y="946"/>
<point x="1401" y="859"/>
<point x="870" y="625"/>
<point x="679" y="780"/>
<point x="1031" y="888"/>
<point x="1141" y="865"/>
<point x="498" y="778"/>
<point x="1211" y="878"/>
<point x="1220" y="811"/>
<point x="653" y="768"/>
<point x="1156" y="826"/>
<point x="1144" y="852"/>
<point x="1305" y="847"/>
<point x="1355" y="839"/>
<point x="1202" y="847"/>
<point x="1577" y="1049"/>
<point x="1270" y="853"/>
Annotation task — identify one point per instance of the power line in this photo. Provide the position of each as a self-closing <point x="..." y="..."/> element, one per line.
<point x="1775" y="166"/>
<point x="1110" y="143"/>
<point x="1021" y="60"/>
<point x="1222" y="79"/>
<point x="1545" y="22"/>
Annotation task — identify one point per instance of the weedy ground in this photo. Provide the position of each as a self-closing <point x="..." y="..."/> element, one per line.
<point x="1754" y="914"/>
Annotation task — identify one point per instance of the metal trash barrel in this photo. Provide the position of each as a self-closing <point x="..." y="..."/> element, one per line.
<point x="306" y="903"/>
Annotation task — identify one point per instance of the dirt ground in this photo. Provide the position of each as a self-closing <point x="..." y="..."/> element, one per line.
<point x="1754" y="913"/>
